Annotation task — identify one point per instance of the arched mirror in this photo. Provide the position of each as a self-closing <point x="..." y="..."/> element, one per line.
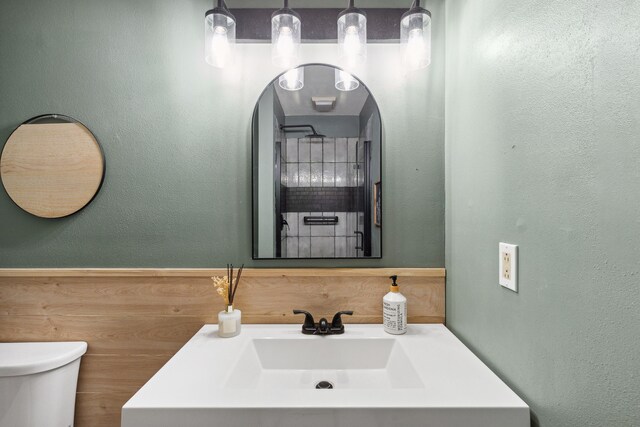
<point x="317" y="186"/>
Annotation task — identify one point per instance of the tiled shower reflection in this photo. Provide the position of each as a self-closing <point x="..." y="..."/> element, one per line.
<point x="321" y="177"/>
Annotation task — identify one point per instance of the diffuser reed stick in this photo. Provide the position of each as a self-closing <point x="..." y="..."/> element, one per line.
<point x="235" y="288"/>
<point x="227" y="286"/>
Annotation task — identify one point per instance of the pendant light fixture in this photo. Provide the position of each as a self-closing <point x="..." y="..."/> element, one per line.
<point x="219" y="35"/>
<point x="285" y="36"/>
<point x="292" y="80"/>
<point x="345" y="82"/>
<point x="415" y="37"/>
<point x="352" y="35"/>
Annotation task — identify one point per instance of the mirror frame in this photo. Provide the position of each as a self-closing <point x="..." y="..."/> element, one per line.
<point x="58" y="118"/>
<point x="254" y="256"/>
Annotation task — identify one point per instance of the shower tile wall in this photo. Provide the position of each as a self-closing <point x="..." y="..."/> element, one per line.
<point x="320" y="177"/>
<point x="281" y="143"/>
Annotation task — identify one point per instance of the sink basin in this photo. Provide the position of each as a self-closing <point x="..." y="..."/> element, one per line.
<point x="352" y="363"/>
<point x="269" y="374"/>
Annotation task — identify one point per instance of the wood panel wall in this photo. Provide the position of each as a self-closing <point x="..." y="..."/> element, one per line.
<point x="135" y="319"/>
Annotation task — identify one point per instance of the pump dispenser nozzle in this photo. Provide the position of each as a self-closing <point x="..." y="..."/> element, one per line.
<point x="394" y="286"/>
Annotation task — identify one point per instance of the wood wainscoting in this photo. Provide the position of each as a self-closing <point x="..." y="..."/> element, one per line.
<point x="134" y="320"/>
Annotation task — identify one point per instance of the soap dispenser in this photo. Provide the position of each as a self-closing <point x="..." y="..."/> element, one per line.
<point x="394" y="310"/>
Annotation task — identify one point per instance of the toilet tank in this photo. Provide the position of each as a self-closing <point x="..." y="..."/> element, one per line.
<point x="38" y="383"/>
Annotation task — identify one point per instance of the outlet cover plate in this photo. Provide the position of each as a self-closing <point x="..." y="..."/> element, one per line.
<point x="508" y="266"/>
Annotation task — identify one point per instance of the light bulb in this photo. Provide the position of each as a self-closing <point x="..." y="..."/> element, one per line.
<point x="285" y="45"/>
<point x="415" y="47"/>
<point x="220" y="48"/>
<point x="290" y="79"/>
<point x="352" y="45"/>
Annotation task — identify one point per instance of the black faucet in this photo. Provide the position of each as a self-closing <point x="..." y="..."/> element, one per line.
<point x="309" y="327"/>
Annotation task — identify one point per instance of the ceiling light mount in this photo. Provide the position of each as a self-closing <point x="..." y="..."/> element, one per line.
<point x="354" y="28"/>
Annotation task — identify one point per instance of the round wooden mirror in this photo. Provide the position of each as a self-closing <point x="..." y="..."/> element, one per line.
<point x="52" y="166"/>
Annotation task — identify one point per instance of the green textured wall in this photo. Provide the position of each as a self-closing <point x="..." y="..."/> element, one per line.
<point x="543" y="151"/>
<point x="176" y="135"/>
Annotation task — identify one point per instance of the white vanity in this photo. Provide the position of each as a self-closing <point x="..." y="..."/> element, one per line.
<point x="274" y="376"/>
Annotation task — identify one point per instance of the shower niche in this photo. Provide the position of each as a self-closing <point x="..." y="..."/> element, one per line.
<point x="316" y="167"/>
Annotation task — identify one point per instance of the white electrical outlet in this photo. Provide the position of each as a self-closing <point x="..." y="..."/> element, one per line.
<point x="508" y="266"/>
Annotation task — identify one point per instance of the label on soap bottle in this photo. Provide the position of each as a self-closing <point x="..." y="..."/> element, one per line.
<point x="394" y="316"/>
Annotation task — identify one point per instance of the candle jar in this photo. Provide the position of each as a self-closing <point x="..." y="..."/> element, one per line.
<point x="229" y="322"/>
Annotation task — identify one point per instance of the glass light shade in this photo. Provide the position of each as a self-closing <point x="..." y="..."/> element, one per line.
<point x="352" y="37"/>
<point x="292" y="80"/>
<point x="219" y="37"/>
<point x="285" y="39"/>
<point x="345" y="81"/>
<point x="415" y="39"/>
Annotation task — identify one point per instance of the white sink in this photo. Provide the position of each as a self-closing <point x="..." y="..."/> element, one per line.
<point x="351" y="363"/>
<point x="267" y="377"/>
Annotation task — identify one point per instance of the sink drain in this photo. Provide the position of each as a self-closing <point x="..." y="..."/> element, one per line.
<point x="324" y="385"/>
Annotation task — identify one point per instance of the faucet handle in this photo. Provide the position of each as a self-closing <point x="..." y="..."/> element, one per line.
<point x="309" y="323"/>
<point x="336" y="323"/>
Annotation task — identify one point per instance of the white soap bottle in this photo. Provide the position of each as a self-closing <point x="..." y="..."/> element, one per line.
<point x="394" y="310"/>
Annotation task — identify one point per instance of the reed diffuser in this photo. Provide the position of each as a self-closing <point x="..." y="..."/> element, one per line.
<point x="229" y="319"/>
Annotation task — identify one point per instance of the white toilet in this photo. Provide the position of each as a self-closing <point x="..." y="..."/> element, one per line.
<point x="38" y="383"/>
